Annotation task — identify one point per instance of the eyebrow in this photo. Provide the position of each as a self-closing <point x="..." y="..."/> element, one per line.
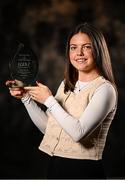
<point x="82" y="44"/>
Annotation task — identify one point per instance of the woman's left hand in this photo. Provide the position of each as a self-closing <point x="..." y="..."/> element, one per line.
<point x="39" y="93"/>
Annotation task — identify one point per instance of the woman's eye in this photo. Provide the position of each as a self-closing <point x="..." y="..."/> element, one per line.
<point x="87" y="47"/>
<point x="72" y="48"/>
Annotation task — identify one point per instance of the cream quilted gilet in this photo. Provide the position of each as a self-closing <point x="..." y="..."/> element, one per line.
<point x="58" y="143"/>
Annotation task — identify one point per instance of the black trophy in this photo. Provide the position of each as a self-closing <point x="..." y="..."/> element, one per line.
<point x="23" y="67"/>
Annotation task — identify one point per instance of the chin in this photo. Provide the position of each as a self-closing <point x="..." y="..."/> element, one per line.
<point x="82" y="69"/>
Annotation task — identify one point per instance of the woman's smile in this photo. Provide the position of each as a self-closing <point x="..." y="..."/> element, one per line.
<point x="81" y="60"/>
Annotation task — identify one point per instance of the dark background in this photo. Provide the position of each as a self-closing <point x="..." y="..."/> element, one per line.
<point x="44" y="26"/>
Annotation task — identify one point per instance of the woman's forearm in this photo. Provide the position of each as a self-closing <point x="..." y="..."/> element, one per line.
<point x="37" y="115"/>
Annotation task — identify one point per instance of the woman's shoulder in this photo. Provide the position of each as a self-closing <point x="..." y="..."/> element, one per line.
<point x="107" y="86"/>
<point x="107" y="90"/>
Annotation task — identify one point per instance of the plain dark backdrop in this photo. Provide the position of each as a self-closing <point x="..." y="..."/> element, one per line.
<point x="44" y="26"/>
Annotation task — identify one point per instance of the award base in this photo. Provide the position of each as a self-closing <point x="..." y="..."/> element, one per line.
<point x="15" y="84"/>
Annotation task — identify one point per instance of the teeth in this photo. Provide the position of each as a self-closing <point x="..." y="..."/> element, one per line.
<point x="81" y="60"/>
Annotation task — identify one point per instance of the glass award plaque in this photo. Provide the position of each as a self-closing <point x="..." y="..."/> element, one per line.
<point x="23" y="67"/>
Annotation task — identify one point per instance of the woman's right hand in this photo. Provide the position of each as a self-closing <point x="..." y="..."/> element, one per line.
<point x="17" y="92"/>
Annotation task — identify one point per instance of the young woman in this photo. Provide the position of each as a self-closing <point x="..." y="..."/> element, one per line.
<point x="78" y="118"/>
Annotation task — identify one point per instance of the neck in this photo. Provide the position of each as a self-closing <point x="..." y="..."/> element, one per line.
<point x="84" y="76"/>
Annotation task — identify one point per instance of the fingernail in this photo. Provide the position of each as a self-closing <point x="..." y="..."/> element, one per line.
<point x="37" y="82"/>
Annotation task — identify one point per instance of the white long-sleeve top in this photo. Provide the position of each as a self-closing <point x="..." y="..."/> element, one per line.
<point x="103" y="101"/>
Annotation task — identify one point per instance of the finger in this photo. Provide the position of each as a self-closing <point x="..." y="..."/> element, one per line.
<point x="16" y="89"/>
<point x="18" y="97"/>
<point x="15" y="93"/>
<point x="30" y="88"/>
<point x="9" y="82"/>
<point x="40" y="84"/>
<point x="32" y="93"/>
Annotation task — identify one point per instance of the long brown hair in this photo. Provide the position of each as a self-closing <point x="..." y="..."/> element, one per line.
<point x="100" y="54"/>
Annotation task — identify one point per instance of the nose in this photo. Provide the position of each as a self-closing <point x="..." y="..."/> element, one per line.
<point x="80" y="51"/>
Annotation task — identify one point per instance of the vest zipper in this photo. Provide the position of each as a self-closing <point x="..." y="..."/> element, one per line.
<point x="58" y="139"/>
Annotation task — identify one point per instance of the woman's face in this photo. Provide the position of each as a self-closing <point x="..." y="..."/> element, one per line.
<point x="80" y="53"/>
